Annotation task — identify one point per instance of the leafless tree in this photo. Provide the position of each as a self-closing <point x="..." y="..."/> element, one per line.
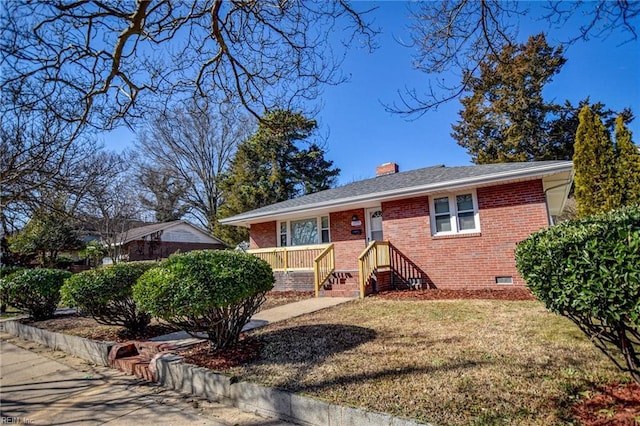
<point x="118" y="59"/>
<point x="111" y="208"/>
<point x="40" y="158"/>
<point x="195" y="144"/>
<point x="456" y="35"/>
<point x="162" y="192"/>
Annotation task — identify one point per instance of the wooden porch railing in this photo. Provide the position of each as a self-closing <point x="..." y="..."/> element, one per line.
<point x="324" y="265"/>
<point x="317" y="258"/>
<point x="374" y="257"/>
<point x="296" y="258"/>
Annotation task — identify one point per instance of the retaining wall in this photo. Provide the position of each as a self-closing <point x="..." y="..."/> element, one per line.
<point x="169" y="371"/>
<point x="91" y="350"/>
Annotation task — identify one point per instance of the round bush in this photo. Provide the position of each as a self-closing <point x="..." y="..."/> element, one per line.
<point x="5" y="273"/>
<point x="106" y="294"/>
<point x="212" y="292"/>
<point x="35" y="291"/>
<point x="589" y="271"/>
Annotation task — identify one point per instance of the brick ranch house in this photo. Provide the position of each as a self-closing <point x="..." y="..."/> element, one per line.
<point x="436" y="227"/>
<point x="159" y="240"/>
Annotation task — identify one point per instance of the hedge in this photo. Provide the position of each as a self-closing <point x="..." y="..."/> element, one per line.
<point x="209" y="291"/>
<point x="589" y="271"/>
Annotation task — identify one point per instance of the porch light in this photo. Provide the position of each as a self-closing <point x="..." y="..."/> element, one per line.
<point x="354" y="218"/>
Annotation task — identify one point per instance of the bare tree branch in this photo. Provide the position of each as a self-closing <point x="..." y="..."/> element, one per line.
<point x="119" y="60"/>
<point x="455" y="36"/>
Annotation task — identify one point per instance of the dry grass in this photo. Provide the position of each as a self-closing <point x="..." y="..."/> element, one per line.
<point x="446" y="362"/>
<point x="279" y="298"/>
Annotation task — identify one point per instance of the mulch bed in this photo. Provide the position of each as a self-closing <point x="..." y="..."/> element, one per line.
<point x="90" y="329"/>
<point x="202" y="355"/>
<point x="440" y="294"/>
<point x="279" y="298"/>
<point x="611" y="405"/>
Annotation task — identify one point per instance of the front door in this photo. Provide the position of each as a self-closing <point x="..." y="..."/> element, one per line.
<point x="374" y="224"/>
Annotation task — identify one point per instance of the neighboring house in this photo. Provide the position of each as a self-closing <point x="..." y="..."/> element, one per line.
<point x="159" y="240"/>
<point x="443" y="227"/>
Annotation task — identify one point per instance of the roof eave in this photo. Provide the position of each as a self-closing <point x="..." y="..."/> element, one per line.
<point x="242" y="220"/>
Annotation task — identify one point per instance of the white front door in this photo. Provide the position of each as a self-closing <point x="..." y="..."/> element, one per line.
<point x="374" y="224"/>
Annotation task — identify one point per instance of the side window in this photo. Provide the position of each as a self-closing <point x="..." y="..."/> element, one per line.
<point x="454" y="214"/>
<point x="324" y="225"/>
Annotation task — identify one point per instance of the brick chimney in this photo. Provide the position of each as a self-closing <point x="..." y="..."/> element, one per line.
<point x="386" y="169"/>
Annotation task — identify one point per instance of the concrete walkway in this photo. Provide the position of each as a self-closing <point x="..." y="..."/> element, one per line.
<point x="36" y="389"/>
<point x="266" y="317"/>
<point x="41" y="386"/>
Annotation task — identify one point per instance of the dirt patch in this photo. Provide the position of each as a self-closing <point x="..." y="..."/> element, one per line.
<point x="610" y="405"/>
<point x="440" y="294"/>
<point x="89" y="328"/>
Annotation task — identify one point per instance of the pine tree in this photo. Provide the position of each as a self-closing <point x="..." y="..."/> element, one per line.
<point x="505" y="118"/>
<point x="594" y="165"/>
<point x="271" y="166"/>
<point x="627" y="164"/>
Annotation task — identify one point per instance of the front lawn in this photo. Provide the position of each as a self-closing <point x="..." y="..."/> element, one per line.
<point x="448" y="362"/>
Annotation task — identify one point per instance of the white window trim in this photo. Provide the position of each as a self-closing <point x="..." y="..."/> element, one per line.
<point x="453" y="212"/>
<point x="288" y="225"/>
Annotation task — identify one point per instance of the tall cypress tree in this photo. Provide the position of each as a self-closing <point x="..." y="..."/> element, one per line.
<point x="594" y="164"/>
<point x="627" y="164"/>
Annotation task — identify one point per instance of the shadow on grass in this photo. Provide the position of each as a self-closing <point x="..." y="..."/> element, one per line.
<point x="299" y="350"/>
<point x="311" y="343"/>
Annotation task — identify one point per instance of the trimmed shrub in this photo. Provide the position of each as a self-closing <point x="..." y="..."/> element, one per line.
<point x="105" y="294"/>
<point x="589" y="271"/>
<point x="35" y="291"/>
<point x="209" y="291"/>
<point x="5" y="273"/>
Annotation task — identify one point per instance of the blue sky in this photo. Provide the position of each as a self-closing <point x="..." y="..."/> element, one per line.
<point x="359" y="134"/>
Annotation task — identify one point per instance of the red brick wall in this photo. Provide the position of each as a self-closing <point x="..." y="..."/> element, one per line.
<point x="508" y="214"/>
<point x="347" y="246"/>
<point x="263" y="235"/>
<point x="145" y="250"/>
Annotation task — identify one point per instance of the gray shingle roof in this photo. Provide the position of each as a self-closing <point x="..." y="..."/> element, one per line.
<point x="425" y="179"/>
<point x="138" y="233"/>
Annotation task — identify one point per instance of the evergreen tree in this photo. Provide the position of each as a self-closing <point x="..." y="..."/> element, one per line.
<point x="45" y="236"/>
<point x="627" y="164"/>
<point x="271" y="166"/>
<point x="594" y="165"/>
<point x="506" y="118"/>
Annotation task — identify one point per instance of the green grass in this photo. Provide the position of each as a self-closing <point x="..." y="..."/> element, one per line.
<point x="10" y="313"/>
<point x="447" y="362"/>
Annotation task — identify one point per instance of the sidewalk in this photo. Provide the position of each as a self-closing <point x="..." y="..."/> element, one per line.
<point x="263" y="318"/>
<point x="38" y="390"/>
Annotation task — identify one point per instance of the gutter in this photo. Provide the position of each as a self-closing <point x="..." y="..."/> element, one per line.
<point x="406" y="192"/>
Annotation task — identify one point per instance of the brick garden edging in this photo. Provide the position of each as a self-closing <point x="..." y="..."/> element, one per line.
<point x="169" y="371"/>
<point x="94" y="351"/>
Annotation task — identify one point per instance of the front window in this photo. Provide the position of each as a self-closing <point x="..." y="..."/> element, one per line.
<point x="454" y="214"/>
<point x="303" y="232"/>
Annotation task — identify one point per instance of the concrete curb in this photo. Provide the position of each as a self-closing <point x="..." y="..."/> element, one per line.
<point x="169" y="371"/>
<point x="271" y="402"/>
<point x="90" y="350"/>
